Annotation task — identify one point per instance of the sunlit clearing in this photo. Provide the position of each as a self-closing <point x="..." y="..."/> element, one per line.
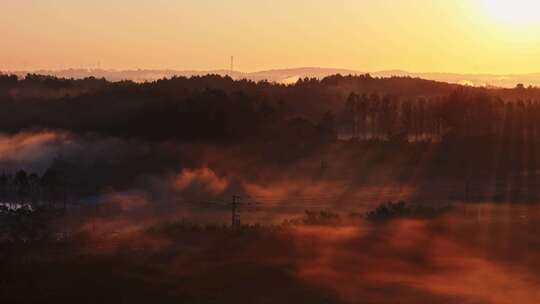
<point x="515" y="11"/>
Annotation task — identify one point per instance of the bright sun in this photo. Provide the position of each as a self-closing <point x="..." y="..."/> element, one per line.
<point x="515" y="11"/>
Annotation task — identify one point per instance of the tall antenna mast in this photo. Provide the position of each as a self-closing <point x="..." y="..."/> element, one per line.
<point x="232" y="64"/>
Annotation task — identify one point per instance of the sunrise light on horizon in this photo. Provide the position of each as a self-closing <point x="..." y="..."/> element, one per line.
<point x="480" y="36"/>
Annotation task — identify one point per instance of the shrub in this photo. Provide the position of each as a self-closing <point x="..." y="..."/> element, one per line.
<point x="400" y="209"/>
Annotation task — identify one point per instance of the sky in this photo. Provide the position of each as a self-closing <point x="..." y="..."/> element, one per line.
<point x="462" y="36"/>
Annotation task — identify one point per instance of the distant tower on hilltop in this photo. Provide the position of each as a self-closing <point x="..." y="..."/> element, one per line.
<point x="232" y="65"/>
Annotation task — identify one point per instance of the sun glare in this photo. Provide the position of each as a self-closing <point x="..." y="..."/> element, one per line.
<point x="515" y="11"/>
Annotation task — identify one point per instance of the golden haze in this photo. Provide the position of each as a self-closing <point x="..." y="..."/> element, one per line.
<point x="463" y="36"/>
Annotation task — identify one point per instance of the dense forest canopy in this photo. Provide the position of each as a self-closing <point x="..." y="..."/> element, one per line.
<point x="219" y="109"/>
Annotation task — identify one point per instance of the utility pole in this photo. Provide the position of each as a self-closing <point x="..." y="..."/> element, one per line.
<point x="235" y="220"/>
<point x="235" y="210"/>
<point x="235" y="205"/>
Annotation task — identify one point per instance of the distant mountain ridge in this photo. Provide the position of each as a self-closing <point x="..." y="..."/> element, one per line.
<point x="291" y="75"/>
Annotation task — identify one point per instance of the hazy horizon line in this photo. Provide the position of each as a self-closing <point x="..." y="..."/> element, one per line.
<point x="352" y="70"/>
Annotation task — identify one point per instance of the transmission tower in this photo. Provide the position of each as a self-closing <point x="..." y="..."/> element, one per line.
<point x="235" y="210"/>
<point x="235" y="205"/>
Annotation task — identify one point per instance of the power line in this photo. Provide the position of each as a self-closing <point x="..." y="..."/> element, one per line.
<point x="235" y="205"/>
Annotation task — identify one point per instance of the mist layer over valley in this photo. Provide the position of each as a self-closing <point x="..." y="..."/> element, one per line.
<point x="349" y="189"/>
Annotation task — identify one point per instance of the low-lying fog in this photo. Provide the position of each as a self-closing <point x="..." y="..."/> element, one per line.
<point x="475" y="253"/>
<point x="201" y="179"/>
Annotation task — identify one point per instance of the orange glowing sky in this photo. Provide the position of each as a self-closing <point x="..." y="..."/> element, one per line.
<point x="464" y="36"/>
